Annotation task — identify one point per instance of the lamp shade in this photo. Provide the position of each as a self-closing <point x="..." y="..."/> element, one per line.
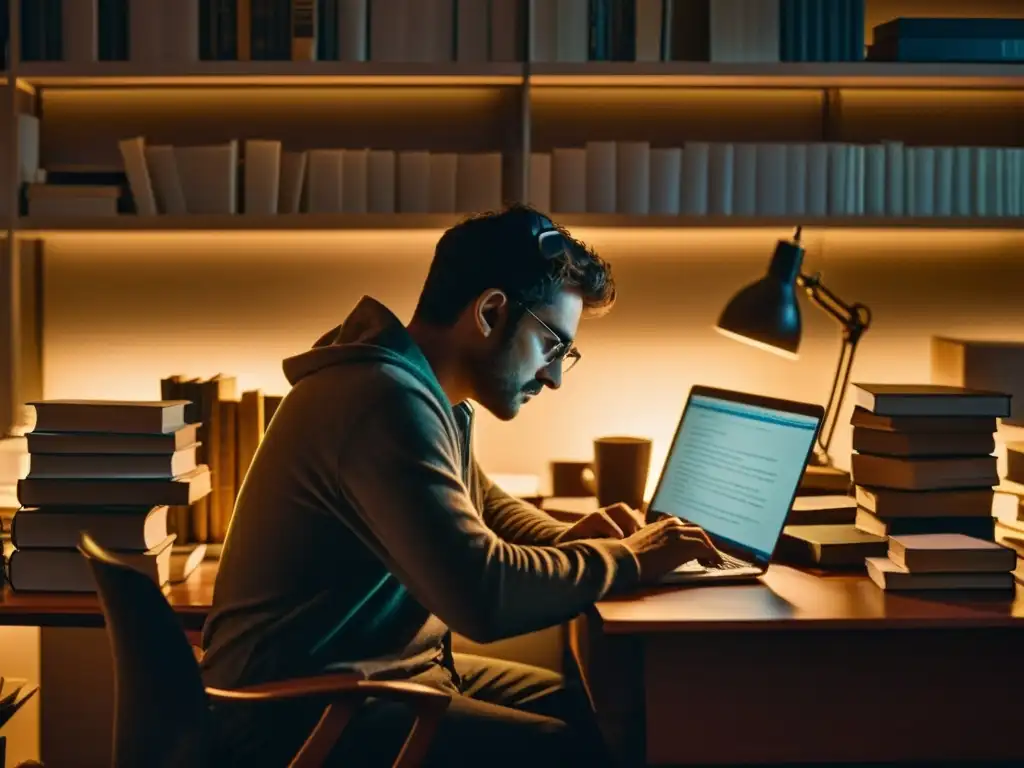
<point x="766" y="313"/>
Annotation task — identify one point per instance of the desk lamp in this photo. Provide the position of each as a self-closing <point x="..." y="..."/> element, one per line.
<point x="766" y="314"/>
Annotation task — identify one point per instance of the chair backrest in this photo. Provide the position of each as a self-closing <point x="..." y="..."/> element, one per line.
<point x="161" y="709"/>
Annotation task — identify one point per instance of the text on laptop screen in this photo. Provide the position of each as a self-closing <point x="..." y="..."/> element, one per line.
<point x="734" y="468"/>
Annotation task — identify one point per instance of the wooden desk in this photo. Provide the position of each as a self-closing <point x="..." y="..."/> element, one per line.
<point x="191" y="600"/>
<point x="805" y="669"/>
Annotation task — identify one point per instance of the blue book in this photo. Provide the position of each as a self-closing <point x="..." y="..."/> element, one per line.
<point x="855" y="31"/>
<point x="1004" y="29"/>
<point x="948" y="50"/>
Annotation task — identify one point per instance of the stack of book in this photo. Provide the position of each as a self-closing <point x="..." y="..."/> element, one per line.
<point x="923" y="458"/>
<point x="110" y="469"/>
<point x="943" y="561"/>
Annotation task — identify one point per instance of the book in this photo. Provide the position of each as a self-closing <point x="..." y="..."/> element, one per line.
<point x="124" y="416"/>
<point x="116" y="528"/>
<point x="826" y="509"/>
<point x="880" y="442"/>
<point x="113" y="466"/>
<point x="827" y="545"/>
<point x="111" y="443"/>
<point x="924" y="474"/>
<point x="930" y="400"/>
<point x="865" y="419"/>
<point x="892" y="502"/>
<point x="890" y="576"/>
<point x="977" y="527"/>
<point x="63" y="491"/>
<point x="66" y="570"/>
<point x="949" y="552"/>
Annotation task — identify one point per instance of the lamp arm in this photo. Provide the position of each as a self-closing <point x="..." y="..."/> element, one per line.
<point x="855" y="319"/>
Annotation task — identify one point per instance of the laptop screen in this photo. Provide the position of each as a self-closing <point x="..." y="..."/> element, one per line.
<point x="734" y="469"/>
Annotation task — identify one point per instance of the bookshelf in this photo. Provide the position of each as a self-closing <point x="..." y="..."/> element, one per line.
<point x="515" y="107"/>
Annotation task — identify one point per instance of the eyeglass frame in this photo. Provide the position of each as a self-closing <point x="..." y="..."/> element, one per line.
<point x="564" y="350"/>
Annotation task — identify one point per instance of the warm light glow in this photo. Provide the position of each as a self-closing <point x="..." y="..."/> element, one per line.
<point x="244" y="74"/>
<point x="759" y="344"/>
<point x="776" y="75"/>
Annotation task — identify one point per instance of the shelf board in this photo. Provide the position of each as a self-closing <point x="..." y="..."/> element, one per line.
<point x="325" y="223"/>
<point x="240" y="223"/>
<point x="864" y="74"/>
<point x="120" y="74"/>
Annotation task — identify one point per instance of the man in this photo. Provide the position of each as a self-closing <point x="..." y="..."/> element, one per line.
<point x="365" y="531"/>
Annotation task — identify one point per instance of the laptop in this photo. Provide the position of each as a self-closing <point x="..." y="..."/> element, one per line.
<point x="734" y="468"/>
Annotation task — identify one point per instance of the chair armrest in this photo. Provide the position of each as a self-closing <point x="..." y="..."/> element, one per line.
<point x="330" y="685"/>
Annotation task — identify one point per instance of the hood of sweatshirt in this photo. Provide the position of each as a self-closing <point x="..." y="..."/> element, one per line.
<point x="370" y="334"/>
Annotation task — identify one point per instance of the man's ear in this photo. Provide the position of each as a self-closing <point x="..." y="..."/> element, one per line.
<point x="488" y="314"/>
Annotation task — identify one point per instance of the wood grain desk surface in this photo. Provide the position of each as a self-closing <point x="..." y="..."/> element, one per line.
<point x="191" y="600"/>
<point x="787" y="598"/>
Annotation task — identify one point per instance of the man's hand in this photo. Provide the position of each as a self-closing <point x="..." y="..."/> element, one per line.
<point x="664" y="545"/>
<point x="615" y="522"/>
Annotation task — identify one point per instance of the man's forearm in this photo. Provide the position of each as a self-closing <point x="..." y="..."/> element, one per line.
<point x="518" y="521"/>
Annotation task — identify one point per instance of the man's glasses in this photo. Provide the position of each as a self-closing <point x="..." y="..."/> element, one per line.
<point x="564" y="351"/>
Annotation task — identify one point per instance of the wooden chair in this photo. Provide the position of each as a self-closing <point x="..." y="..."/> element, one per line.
<point x="162" y="710"/>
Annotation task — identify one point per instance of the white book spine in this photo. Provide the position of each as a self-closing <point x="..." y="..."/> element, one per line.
<point x="540" y="181"/>
<point x="478" y="182"/>
<point x="389" y="30"/>
<point x="761" y="31"/>
<point x="910" y="181"/>
<point x="945" y="162"/>
<point x="601" y="177"/>
<point x="838" y="181"/>
<point x="633" y="177"/>
<point x="572" y="29"/>
<point x="772" y="181"/>
<point x="694" y="185"/>
<point x="422" y="31"/>
<point x="924" y="181"/>
<point x="648" y="29"/>
<point x="262" y="176"/>
<point x="721" y="177"/>
<point x="163" y="172"/>
<point x="293" y="182"/>
<point x="80" y="31"/>
<point x="325" y="180"/>
<point x="569" y="180"/>
<point x="895" y="178"/>
<point x="962" y="181"/>
<point x="145" y="31"/>
<point x="355" y="181"/>
<point x="861" y="155"/>
<point x="353" y="29"/>
<point x="726" y="29"/>
<point x="1014" y="157"/>
<point x="443" y="168"/>
<point x="666" y="180"/>
<point x="979" y="183"/>
<point x="133" y="154"/>
<point x="381" y="181"/>
<point x="543" y="30"/>
<point x="414" y="182"/>
<point x="817" y="179"/>
<point x="180" y="30"/>
<point x="505" y="30"/>
<point x="874" y="180"/>
<point x="472" y="37"/>
<point x="998" y="170"/>
<point x="744" y="184"/>
<point x="796" y="179"/>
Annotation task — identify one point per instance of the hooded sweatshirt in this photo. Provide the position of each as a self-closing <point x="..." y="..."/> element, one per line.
<point x="365" y="531"/>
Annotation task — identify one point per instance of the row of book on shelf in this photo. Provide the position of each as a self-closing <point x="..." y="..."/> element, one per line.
<point x="496" y="30"/>
<point x="163" y="179"/>
<point x="886" y="179"/>
<point x="153" y="481"/>
<point x="779" y="179"/>
<point x="443" y="30"/>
